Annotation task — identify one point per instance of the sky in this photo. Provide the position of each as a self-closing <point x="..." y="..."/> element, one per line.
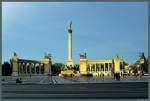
<point x="101" y="29"/>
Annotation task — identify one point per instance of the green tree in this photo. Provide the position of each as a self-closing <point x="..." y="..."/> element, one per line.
<point x="57" y="68"/>
<point x="6" y="69"/>
<point x="76" y="67"/>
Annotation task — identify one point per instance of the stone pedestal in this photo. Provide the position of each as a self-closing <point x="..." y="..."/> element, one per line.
<point x="15" y="69"/>
<point x="117" y="61"/>
<point x="47" y="68"/>
<point x="83" y="63"/>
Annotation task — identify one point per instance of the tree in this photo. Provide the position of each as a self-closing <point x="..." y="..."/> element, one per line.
<point x="6" y="69"/>
<point x="76" y="67"/>
<point x="57" y="68"/>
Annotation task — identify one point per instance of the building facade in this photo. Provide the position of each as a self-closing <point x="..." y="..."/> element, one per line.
<point x="30" y="67"/>
<point x="99" y="67"/>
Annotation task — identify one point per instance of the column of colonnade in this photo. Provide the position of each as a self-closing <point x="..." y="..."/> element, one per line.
<point x="90" y="68"/>
<point x="99" y="66"/>
<point x="30" y="64"/>
<point x="27" y="68"/>
<point x="34" y="65"/>
<point x="21" y="68"/>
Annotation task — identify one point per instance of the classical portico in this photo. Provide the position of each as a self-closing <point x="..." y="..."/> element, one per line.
<point x="99" y="67"/>
<point x="30" y="67"/>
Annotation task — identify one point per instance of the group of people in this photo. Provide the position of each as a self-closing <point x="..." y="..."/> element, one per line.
<point x="18" y="80"/>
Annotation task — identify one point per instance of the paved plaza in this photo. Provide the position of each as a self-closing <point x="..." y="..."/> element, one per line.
<point x="67" y="80"/>
<point x="44" y="87"/>
<point x="130" y="90"/>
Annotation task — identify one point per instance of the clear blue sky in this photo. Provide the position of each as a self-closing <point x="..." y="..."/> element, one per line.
<point x="100" y="29"/>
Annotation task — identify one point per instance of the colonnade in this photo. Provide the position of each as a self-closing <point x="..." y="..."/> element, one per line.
<point x="101" y="67"/>
<point x="30" y="68"/>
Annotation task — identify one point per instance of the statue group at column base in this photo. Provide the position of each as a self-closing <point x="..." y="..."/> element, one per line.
<point x="70" y="63"/>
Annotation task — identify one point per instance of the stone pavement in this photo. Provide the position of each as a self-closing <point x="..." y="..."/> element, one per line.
<point x="70" y="80"/>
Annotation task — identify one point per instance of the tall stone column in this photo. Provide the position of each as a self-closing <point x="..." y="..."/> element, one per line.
<point x="70" y="61"/>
